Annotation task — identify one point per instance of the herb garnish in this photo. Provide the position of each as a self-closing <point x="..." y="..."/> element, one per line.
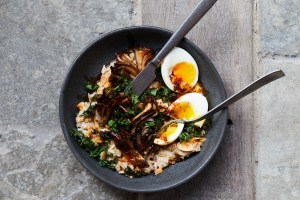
<point x="190" y="131"/>
<point x="129" y="172"/>
<point x="82" y="140"/>
<point x="91" y="87"/>
<point x="108" y="164"/>
<point x="96" y="152"/>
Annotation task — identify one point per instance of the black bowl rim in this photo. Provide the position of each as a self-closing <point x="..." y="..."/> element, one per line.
<point x="68" y="136"/>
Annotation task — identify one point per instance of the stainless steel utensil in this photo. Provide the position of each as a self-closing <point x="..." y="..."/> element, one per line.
<point x="147" y="75"/>
<point x="244" y="92"/>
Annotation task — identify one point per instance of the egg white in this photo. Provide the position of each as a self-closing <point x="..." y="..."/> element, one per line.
<point x="197" y="101"/>
<point x="177" y="55"/>
<point x="199" y="104"/>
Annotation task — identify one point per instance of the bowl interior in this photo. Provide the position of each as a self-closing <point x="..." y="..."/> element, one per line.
<point x="89" y="64"/>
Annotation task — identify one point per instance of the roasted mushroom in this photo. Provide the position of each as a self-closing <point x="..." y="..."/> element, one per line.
<point x="123" y="143"/>
<point x="130" y="63"/>
<point x="142" y="55"/>
<point x="144" y="138"/>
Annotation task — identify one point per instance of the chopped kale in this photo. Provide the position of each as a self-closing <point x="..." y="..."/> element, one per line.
<point x="83" y="141"/>
<point x="153" y="91"/>
<point x="129" y="172"/>
<point x="184" y="136"/>
<point x="108" y="164"/>
<point x="118" y="87"/>
<point x="134" y="99"/>
<point x="188" y="132"/>
<point x="105" y="136"/>
<point x="96" y="152"/>
<point x="124" y="123"/>
<point x="91" y="87"/>
<point x="119" y="119"/>
<point x="113" y="126"/>
<point x="150" y="124"/>
<point x="131" y="111"/>
<point x="165" y="94"/>
<point x="159" y="119"/>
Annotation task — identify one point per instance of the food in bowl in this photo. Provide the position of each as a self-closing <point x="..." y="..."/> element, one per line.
<point x="122" y="129"/>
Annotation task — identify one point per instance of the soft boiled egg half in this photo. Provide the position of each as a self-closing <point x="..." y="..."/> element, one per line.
<point x="179" y="70"/>
<point x="187" y="107"/>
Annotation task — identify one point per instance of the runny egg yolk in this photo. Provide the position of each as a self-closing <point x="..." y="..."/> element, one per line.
<point x="184" y="71"/>
<point x="169" y="131"/>
<point x="183" y="110"/>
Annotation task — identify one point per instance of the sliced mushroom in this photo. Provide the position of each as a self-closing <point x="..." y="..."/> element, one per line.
<point x="103" y="110"/>
<point x="123" y="143"/>
<point x="155" y="85"/>
<point x="147" y="109"/>
<point x="129" y="69"/>
<point x="185" y="146"/>
<point x="124" y="59"/>
<point x="142" y="55"/>
<point x="144" y="138"/>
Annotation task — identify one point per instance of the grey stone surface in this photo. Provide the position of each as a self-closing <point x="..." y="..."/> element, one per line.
<point x="280" y="27"/>
<point x="38" y="41"/>
<point x="36" y="163"/>
<point x="276" y="134"/>
<point x="277" y="168"/>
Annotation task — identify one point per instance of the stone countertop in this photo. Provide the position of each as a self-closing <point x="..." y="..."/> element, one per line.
<point x="259" y="157"/>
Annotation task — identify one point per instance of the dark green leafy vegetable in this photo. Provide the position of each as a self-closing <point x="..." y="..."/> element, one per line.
<point x="118" y="87"/>
<point x="96" y="152"/>
<point x="91" y="87"/>
<point x="166" y="94"/>
<point x="184" y="136"/>
<point x="150" y="124"/>
<point x="190" y="131"/>
<point x="131" y="111"/>
<point x="153" y="91"/>
<point x="108" y="164"/>
<point x="129" y="172"/>
<point x="113" y="126"/>
<point x="83" y="141"/>
<point x="134" y="99"/>
<point x="124" y="123"/>
<point x="119" y="119"/>
<point x="105" y="136"/>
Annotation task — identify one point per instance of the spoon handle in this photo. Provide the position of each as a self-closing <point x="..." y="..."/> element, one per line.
<point x="244" y="92"/>
<point x="185" y="27"/>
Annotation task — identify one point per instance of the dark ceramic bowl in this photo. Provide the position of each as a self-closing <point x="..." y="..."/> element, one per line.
<point x="89" y="63"/>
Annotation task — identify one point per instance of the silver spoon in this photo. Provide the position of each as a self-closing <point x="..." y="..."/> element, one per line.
<point x="244" y="92"/>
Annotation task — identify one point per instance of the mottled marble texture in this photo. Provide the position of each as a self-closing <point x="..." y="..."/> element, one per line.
<point x="280" y="27"/>
<point x="37" y="163"/>
<point x="38" y="41"/>
<point x="277" y="138"/>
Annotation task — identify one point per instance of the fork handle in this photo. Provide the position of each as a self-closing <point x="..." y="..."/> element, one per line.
<point x="185" y="27"/>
